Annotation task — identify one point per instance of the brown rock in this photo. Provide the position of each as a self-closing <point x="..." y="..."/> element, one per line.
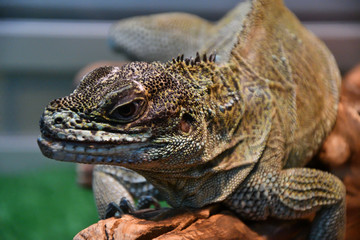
<point x="208" y="223"/>
<point x="341" y="150"/>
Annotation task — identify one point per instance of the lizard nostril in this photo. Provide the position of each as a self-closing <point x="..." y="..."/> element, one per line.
<point x="58" y="120"/>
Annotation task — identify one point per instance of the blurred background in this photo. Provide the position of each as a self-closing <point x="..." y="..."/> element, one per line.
<point x="43" y="44"/>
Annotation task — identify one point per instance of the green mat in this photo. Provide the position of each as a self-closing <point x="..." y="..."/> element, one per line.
<point x="44" y="205"/>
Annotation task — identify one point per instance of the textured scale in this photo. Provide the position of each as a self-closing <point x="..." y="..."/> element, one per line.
<point x="236" y="127"/>
<point x="123" y="182"/>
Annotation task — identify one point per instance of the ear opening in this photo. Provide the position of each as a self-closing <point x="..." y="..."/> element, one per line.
<point x="186" y="123"/>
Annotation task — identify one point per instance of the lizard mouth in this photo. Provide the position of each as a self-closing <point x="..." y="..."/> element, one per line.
<point x="100" y="147"/>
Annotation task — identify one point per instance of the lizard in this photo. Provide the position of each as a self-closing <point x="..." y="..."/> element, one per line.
<point x="235" y="129"/>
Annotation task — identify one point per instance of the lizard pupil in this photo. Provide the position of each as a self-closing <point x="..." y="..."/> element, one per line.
<point x="125" y="111"/>
<point x="129" y="111"/>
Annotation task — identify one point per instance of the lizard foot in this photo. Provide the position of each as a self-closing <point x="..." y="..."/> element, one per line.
<point x="118" y="210"/>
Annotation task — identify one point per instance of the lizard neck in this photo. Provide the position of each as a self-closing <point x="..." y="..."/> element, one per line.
<point x="223" y="87"/>
<point x="195" y="186"/>
<point x="232" y="145"/>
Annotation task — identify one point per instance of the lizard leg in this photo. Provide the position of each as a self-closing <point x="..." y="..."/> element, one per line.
<point x="160" y="37"/>
<point x="107" y="191"/>
<point x="291" y="194"/>
<point x="112" y="183"/>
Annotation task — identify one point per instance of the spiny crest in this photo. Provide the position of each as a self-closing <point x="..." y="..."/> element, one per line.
<point x="198" y="59"/>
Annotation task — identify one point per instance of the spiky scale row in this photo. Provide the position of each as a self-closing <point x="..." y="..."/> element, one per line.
<point x="198" y="59"/>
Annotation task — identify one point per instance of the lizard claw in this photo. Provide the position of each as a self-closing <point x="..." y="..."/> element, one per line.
<point x="118" y="210"/>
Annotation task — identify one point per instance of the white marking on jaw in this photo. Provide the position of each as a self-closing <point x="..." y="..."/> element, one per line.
<point x="71" y="137"/>
<point x="80" y="137"/>
<point x="106" y="137"/>
<point x="85" y="133"/>
<point x="129" y="139"/>
<point x="98" y="138"/>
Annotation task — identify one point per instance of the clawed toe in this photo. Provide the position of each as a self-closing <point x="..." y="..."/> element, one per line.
<point x="118" y="210"/>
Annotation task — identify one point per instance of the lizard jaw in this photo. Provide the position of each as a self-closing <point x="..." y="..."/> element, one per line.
<point x="92" y="153"/>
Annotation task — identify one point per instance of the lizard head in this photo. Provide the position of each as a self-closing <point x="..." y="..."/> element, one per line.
<point x="139" y="113"/>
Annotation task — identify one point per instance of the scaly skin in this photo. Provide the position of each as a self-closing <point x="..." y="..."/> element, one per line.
<point x="112" y="183"/>
<point x="237" y="130"/>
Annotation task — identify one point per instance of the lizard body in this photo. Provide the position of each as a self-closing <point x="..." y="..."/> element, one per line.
<point x="236" y="130"/>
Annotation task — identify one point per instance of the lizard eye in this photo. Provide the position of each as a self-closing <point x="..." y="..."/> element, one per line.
<point x="129" y="111"/>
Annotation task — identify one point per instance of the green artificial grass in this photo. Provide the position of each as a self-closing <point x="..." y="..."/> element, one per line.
<point x="44" y="205"/>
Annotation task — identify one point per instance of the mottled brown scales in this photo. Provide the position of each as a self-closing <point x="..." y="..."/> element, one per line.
<point x="235" y="128"/>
